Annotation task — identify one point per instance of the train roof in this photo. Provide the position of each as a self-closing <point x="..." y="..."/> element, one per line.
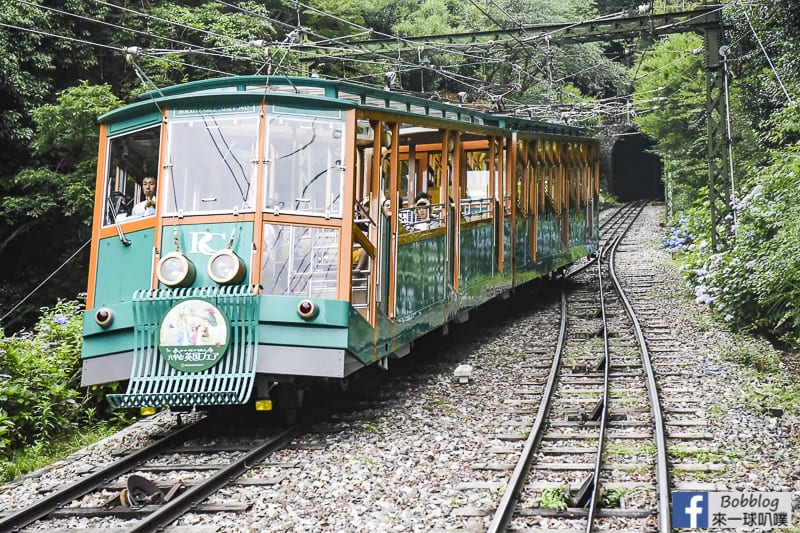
<point x="317" y="92"/>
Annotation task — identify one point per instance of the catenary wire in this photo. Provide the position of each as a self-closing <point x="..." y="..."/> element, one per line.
<point x="48" y="278"/>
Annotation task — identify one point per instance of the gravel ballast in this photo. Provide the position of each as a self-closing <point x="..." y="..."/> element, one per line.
<point x="430" y="456"/>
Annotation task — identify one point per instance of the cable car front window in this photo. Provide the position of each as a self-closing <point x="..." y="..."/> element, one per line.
<point x="211" y="162"/>
<point x="131" y="157"/>
<point x="305" y="165"/>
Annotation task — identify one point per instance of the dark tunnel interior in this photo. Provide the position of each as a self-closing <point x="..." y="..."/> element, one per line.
<point x="636" y="173"/>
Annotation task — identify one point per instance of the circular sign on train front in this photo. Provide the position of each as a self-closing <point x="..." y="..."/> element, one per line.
<point x="193" y="335"/>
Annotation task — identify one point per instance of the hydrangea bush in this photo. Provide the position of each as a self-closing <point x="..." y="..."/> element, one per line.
<point x="754" y="283"/>
<point x="40" y="393"/>
<point x="679" y="238"/>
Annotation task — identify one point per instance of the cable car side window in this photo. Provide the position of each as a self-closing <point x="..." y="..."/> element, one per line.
<point x="131" y="158"/>
<point x="305" y="165"/>
<point x="211" y="161"/>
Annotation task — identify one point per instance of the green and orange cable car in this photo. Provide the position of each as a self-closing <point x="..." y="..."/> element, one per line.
<point x="304" y="229"/>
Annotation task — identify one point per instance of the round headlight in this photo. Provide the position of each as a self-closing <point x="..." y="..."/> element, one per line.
<point x="175" y="270"/>
<point x="226" y="268"/>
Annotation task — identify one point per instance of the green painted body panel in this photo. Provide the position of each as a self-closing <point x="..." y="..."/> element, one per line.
<point x="421" y="274"/>
<point x="200" y="241"/>
<point x="361" y="339"/>
<point x="277" y="315"/>
<point x="549" y="246"/>
<point x="577" y="225"/>
<point x="508" y="247"/>
<point x="302" y="335"/>
<point x="307" y="111"/>
<point x="134" y="123"/>
<point x="116" y="339"/>
<point x="419" y="324"/>
<point x="522" y="248"/>
<point x="478" y="263"/>
<point x="279" y="323"/>
<point x="283" y="310"/>
<point x="318" y="93"/>
<point x="123" y="318"/>
<point x="123" y="269"/>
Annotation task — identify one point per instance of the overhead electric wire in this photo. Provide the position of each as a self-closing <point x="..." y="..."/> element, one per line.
<point x="343" y="45"/>
<point x="449" y="71"/>
<point x="144" y="51"/>
<point x="524" y="45"/>
<point x="766" y="55"/>
<point x="103" y="22"/>
<point x="45" y="280"/>
<point x="172" y="22"/>
<point x="64" y="37"/>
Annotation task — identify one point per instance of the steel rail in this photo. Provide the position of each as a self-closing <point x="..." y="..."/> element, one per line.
<point x="594" y="502"/>
<point x="192" y="497"/>
<point x="662" y="472"/>
<point x="516" y="483"/>
<point x="51" y="502"/>
<point x="615" y="220"/>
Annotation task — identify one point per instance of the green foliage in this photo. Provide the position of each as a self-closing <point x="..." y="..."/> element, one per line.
<point x="754" y="284"/>
<point x="554" y="498"/>
<point x="753" y="280"/>
<point x="704" y="456"/>
<point x="65" y="146"/>
<point x="770" y="393"/>
<point x="611" y="497"/>
<point x="41" y="398"/>
<point x="607" y="201"/>
<point x="745" y="352"/>
<point x="670" y="107"/>
<point x="215" y="25"/>
<point x="15" y="463"/>
<point x="33" y="66"/>
<point x="628" y="450"/>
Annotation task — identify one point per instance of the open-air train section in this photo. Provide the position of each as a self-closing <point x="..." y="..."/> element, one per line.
<point x="290" y="238"/>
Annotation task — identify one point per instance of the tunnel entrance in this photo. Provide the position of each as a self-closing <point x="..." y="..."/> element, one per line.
<point x="636" y="173"/>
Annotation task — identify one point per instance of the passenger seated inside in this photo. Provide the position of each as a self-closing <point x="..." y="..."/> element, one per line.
<point x="386" y="209"/>
<point x="422" y="196"/>
<point x="423" y="218"/>
<point x="146" y="207"/>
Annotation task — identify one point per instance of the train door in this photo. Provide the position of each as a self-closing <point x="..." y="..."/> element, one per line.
<point x="367" y="226"/>
<point x="377" y="195"/>
<point x="387" y="171"/>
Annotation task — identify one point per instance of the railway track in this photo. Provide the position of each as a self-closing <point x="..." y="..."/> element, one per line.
<point x="595" y="457"/>
<point x="626" y="471"/>
<point x="139" y="488"/>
